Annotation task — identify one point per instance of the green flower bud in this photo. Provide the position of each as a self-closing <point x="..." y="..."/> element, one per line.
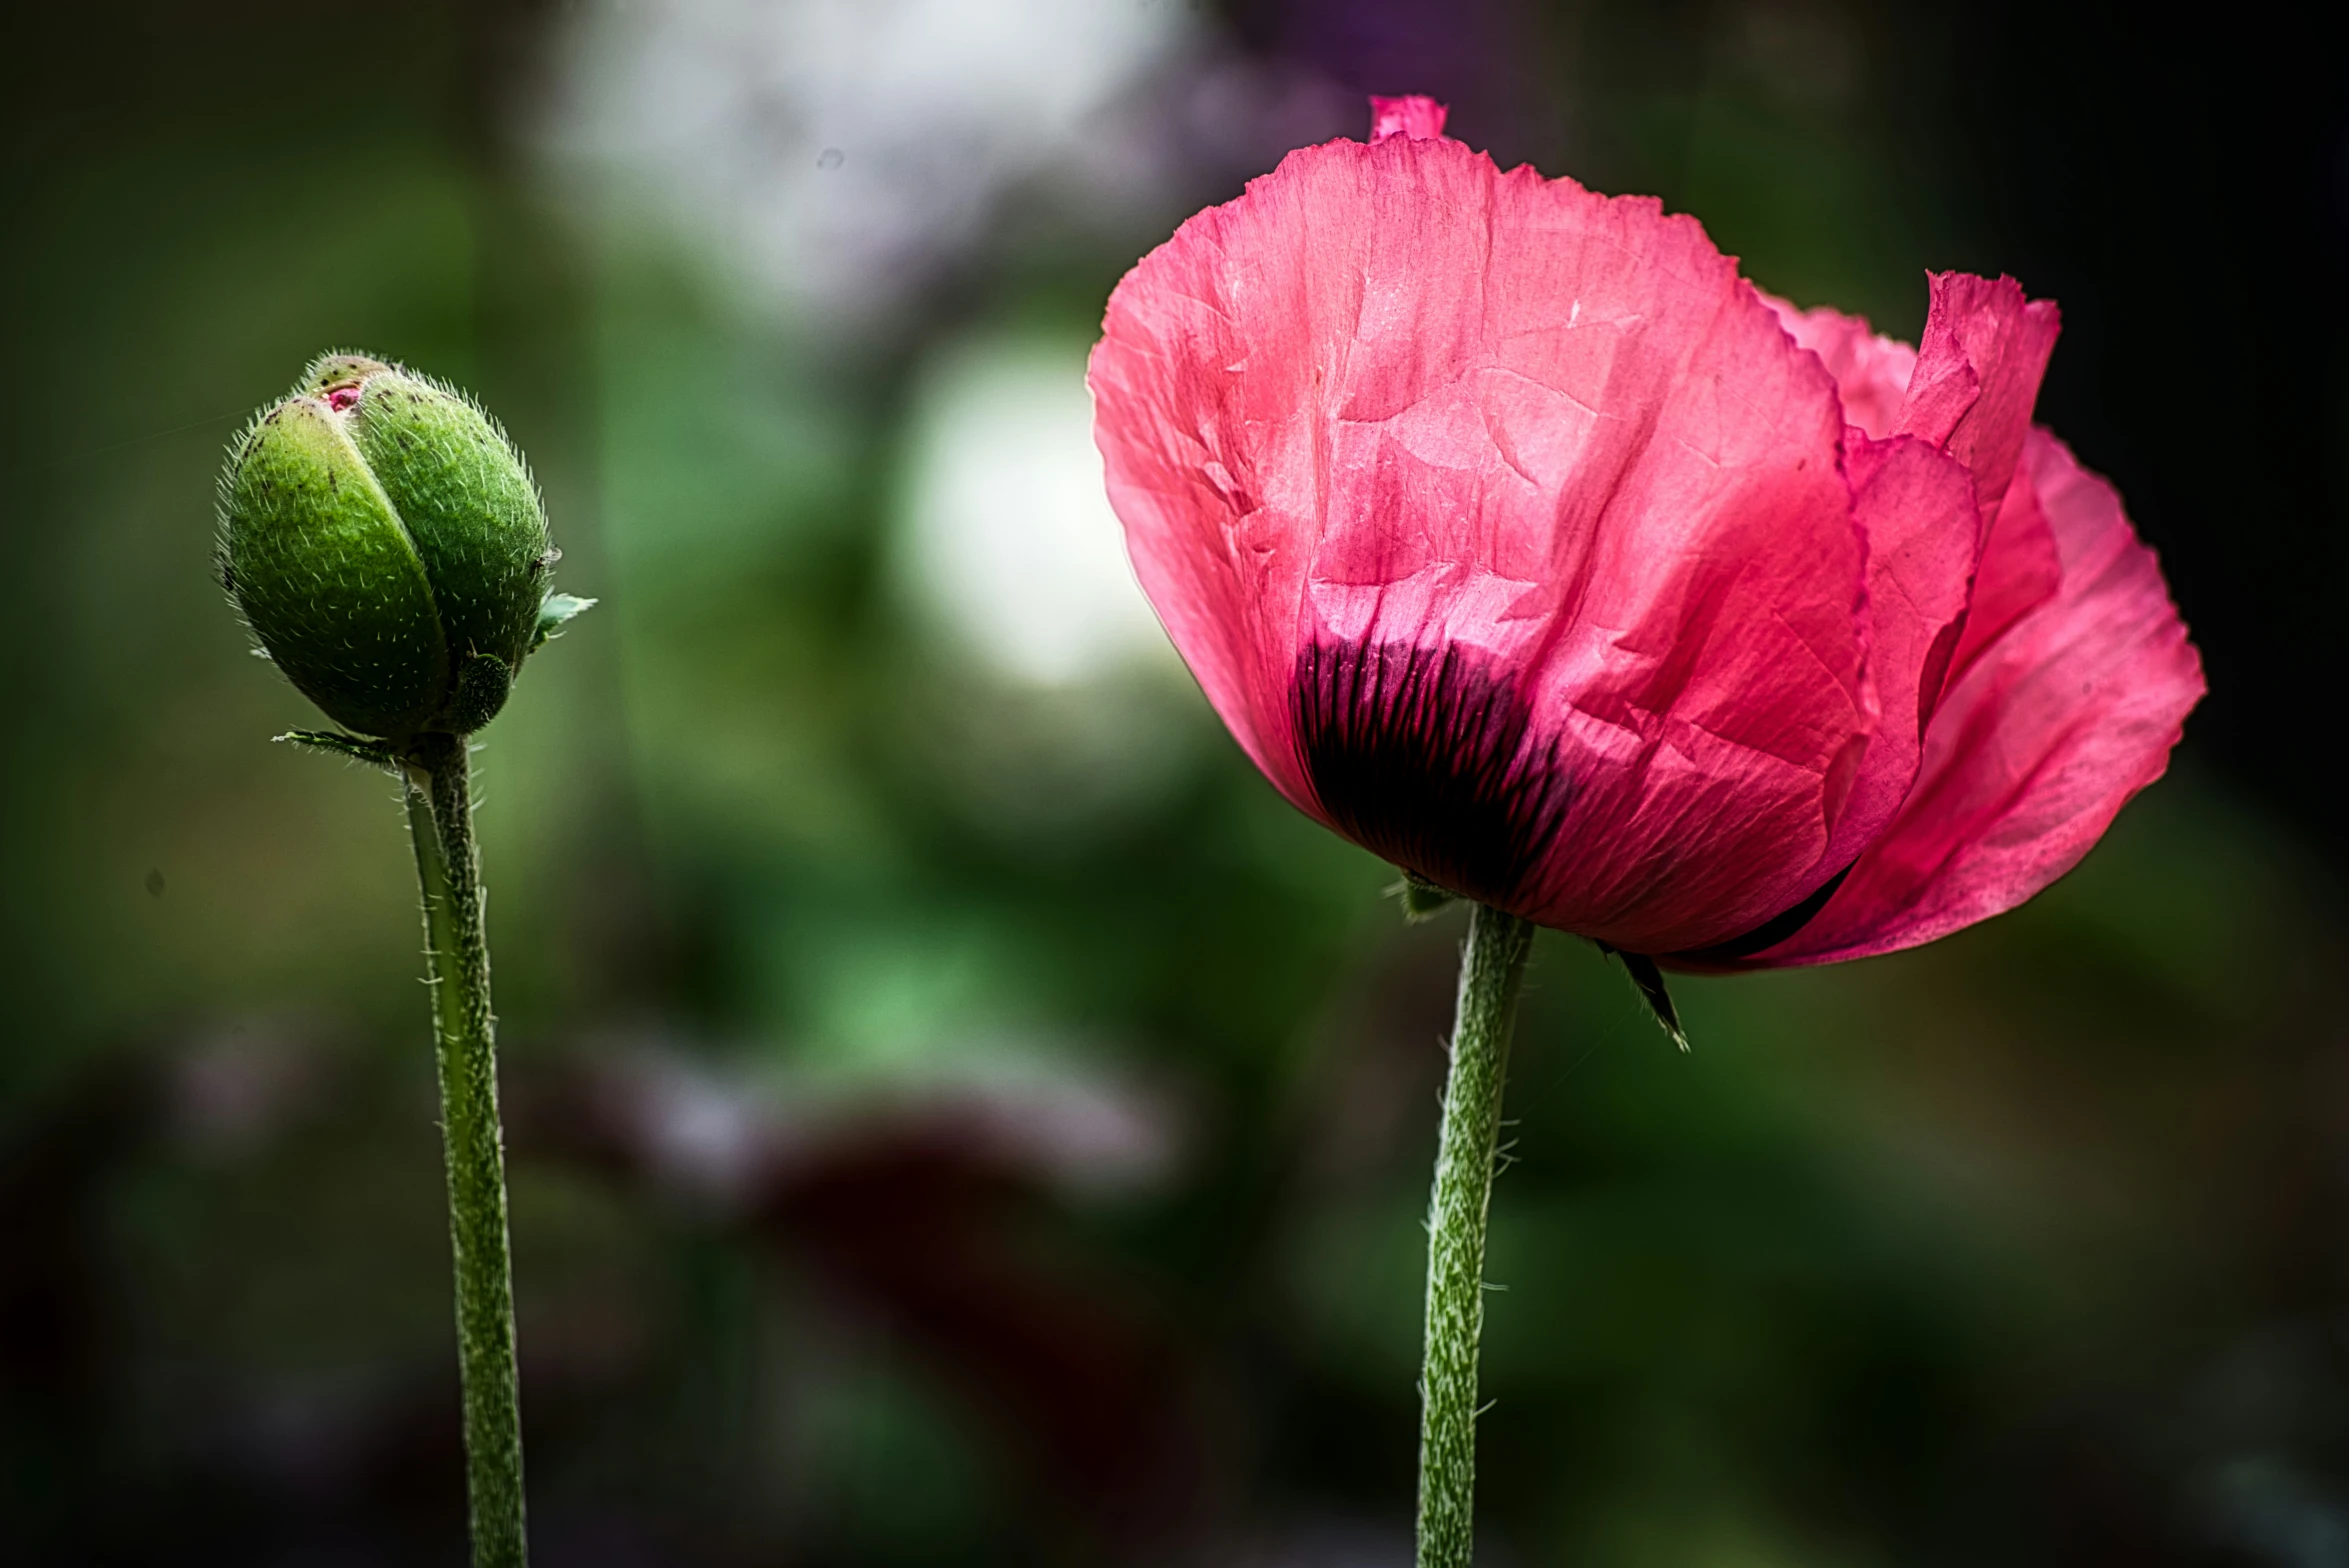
<point x="385" y="542"/>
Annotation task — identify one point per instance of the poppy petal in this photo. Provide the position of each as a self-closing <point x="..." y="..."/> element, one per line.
<point x="2035" y="748"/>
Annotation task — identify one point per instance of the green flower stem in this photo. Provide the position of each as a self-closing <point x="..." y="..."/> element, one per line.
<point x="1491" y="970"/>
<point x="440" y="817"/>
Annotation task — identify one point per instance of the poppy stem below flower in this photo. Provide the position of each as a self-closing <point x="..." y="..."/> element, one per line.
<point x="440" y="818"/>
<point x="1491" y="968"/>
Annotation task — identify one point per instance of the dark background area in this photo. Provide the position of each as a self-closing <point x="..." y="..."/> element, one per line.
<point x="959" y="1114"/>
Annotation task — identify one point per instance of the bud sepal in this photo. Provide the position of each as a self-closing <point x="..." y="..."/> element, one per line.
<point x="334" y="743"/>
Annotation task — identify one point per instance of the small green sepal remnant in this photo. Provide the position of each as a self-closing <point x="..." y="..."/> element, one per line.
<point x="557" y="612"/>
<point x="336" y="744"/>
<point x="1422" y="899"/>
<point x="1650" y="980"/>
<point x="384" y="541"/>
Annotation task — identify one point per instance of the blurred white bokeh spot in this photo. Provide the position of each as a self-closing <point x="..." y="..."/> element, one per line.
<point x="1007" y="537"/>
<point x="837" y="151"/>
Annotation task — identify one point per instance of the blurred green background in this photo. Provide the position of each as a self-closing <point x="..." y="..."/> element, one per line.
<point x="960" y="1115"/>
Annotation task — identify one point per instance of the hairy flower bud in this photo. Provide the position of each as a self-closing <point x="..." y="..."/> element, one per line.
<point x="385" y="542"/>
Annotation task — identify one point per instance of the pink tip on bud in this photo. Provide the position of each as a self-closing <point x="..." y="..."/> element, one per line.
<point x="1421" y="119"/>
<point x="340" y="399"/>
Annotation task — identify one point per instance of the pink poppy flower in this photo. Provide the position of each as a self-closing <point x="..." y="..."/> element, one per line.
<point x="1520" y="540"/>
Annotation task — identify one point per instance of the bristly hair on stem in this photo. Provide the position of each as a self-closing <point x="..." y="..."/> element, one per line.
<point x="440" y="816"/>
<point x="1492" y="969"/>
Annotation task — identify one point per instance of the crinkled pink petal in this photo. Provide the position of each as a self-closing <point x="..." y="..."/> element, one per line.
<point x="1916" y="505"/>
<point x="1871" y="372"/>
<point x="2022" y="568"/>
<point x="2038" y="745"/>
<point x="1938" y="591"/>
<point x="1969" y="389"/>
<point x="1979" y="364"/>
<point x="1506" y="529"/>
<point x="1415" y="117"/>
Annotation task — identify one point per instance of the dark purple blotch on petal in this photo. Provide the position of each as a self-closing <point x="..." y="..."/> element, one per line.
<point x="1421" y="755"/>
<point x="1778" y="928"/>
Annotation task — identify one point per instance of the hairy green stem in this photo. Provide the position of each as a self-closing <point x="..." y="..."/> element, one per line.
<point x="1491" y="969"/>
<point x="440" y="818"/>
